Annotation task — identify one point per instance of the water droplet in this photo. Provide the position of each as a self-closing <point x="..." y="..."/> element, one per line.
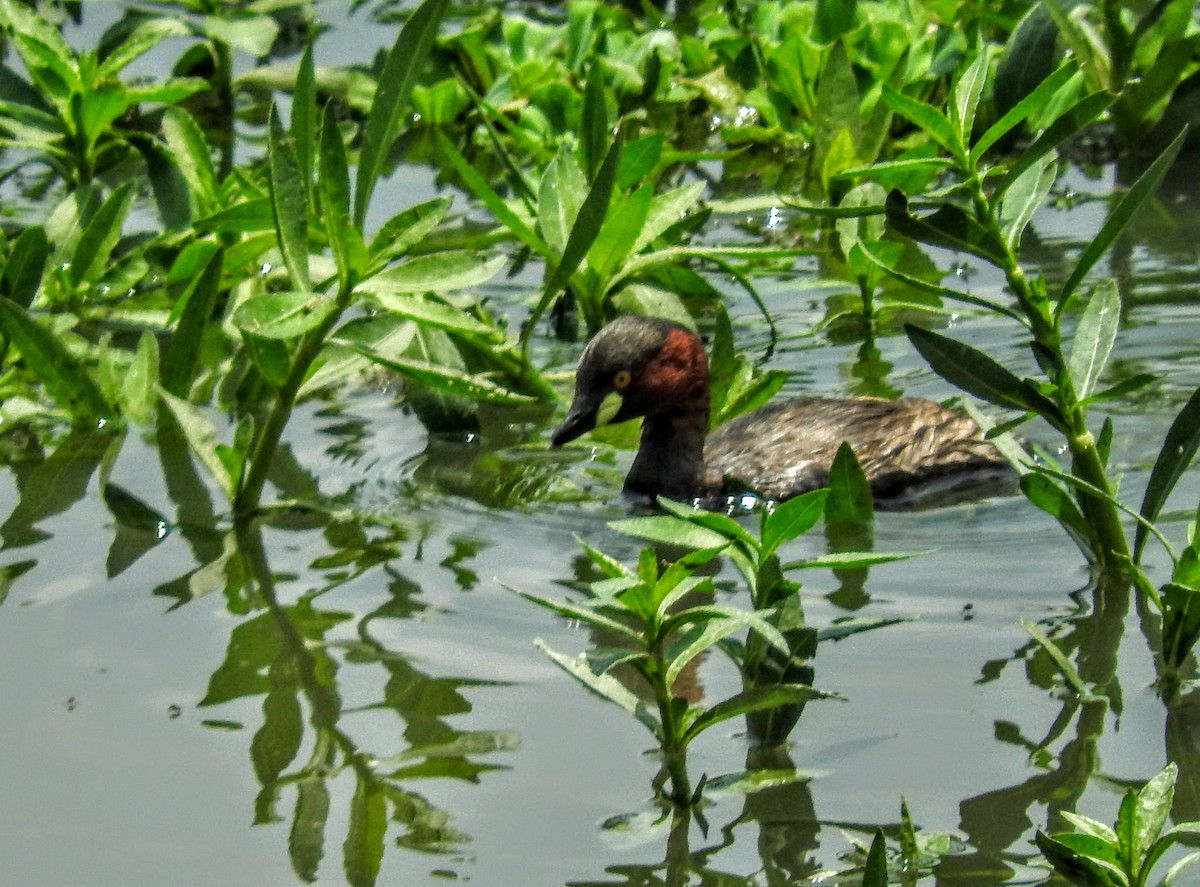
<point x="265" y="269"/>
<point x="174" y="711"/>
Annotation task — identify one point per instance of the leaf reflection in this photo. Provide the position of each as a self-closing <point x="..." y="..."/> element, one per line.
<point x="293" y="655"/>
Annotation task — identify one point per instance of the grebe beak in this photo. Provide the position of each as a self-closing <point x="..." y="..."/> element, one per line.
<point x="580" y="420"/>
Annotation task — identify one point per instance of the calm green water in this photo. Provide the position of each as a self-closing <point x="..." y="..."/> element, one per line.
<point x="134" y="687"/>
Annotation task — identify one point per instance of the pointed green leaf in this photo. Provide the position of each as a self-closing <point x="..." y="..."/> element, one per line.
<point x="605" y="686"/>
<point x="875" y="872"/>
<point x="304" y="115"/>
<point x="1122" y="214"/>
<point x="441" y="379"/>
<point x="1024" y="198"/>
<point x="949" y="227"/>
<point x="408" y="228"/>
<point x="67" y="382"/>
<point x="436" y="272"/>
<point x="196" y="306"/>
<point x="967" y="91"/>
<point x="1094" y="337"/>
<point x="754" y="699"/>
<point x="334" y="188"/>
<point x="405" y="61"/>
<point x="933" y="122"/>
<point x="26" y="263"/>
<point x="791" y="519"/>
<point x="201" y="436"/>
<point x="619" y="232"/>
<point x="1029" y="106"/>
<point x="979" y="375"/>
<point x="282" y="315"/>
<point x="850" y="503"/>
<point x="89" y="261"/>
<point x="1178" y="449"/>
<point x="583" y="234"/>
<point x="289" y="205"/>
<point x="1068" y="124"/>
<point x="669" y="530"/>
<point x="638" y="159"/>
<point x="1153" y="807"/>
<point x="594" y="133"/>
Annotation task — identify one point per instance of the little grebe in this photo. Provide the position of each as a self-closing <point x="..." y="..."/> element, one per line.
<point x="638" y="366"/>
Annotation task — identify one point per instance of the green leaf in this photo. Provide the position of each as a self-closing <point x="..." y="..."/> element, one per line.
<point x="1030" y="105"/>
<point x="933" y="122"/>
<point x="619" y="232"/>
<point x="430" y="313"/>
<point x="754" y="699"/>
<point x="252" y="34"/>
<point x="1023" y="199"/>
<point x="979" y="375"/>
<point x="791" y="519"/>
<point x="1057" y="502"/>
<point x="638" y="159"/>
<point x="495" y="204"/>
<point x="605" y="686"/>
<point x="408" y="228"/>
<point x="189" y="150"/>
<point x="304" y="115"/>
<point x="289" y="205"/>
<point x="839" y="560"/>
<point x="444" y="380"/>
<point x="67" y="381"/>
<point x="666" y="210"/>
<point x="89" y="261"/>
<point x="850" y="503"/>
<point x="405" y="61"/>
<point x="1151" y="811"/>
<point x="436" y="272"/>
<point x="196" y="306"/>
<point x="949" y="227"/>
<point x="282" y="315"/>
<point x="1178" y="449"/>
<point x="1075" y="864"/>
<point x="201" y="436"/>
<point x="1064" y="127"/>
<point x="1094" y="337"/>
<point x="967" y="91"/>
<point x="139" y="397"/>
<point x="583" y="234"/>
<point x="875" y="872"/>
<point x="1141" y="190"/>
<point x="26" y="263"/>
<point x="363" y="848"/>
<point x="833" y="19"/>
<point x="589" y="614"/>
<point x="334" y="187"/>
<point x="594" y="133"/>
<point x="670" y="530"/>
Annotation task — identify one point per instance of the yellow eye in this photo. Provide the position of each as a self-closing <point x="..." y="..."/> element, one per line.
<point x="621" y="380"/>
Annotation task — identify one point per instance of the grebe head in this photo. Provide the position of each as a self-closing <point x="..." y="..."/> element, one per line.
<point x="636" y="366"/>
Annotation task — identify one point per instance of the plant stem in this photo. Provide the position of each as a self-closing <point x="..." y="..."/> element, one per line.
<point x="266" y="439"/>
<point x="1110" y="546"/>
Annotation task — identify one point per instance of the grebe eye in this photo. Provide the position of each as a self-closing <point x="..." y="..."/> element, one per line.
<point x="621" y="380"/>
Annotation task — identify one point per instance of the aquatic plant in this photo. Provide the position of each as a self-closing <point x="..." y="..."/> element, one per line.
<point x="1095" y="855"/>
